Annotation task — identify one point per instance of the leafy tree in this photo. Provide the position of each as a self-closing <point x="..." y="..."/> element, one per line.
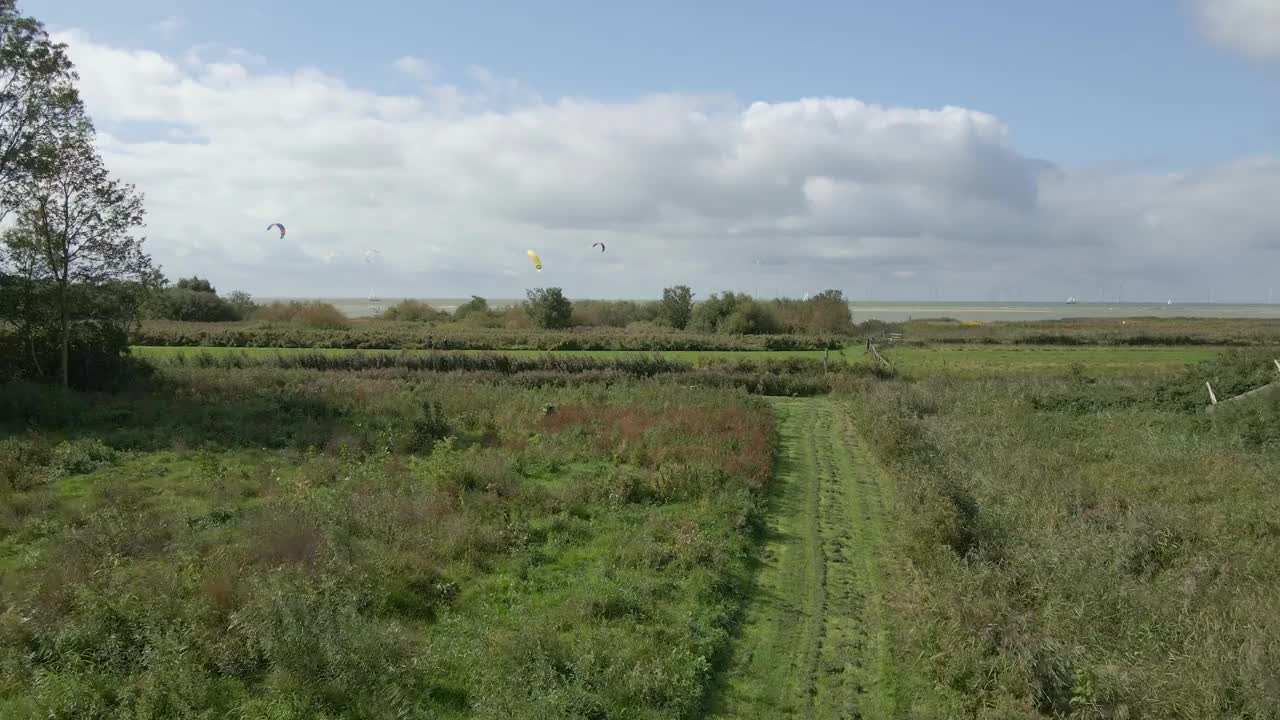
<point x="75" y="228"/>
<point x="242" y="302"/>
<point x="549" y="308"/>
<point x="475" y="306"/>
<point x="677" y="306"/>
<point x="37" y="95"/>
<point x="195" y="284"/>
<point x="184" y="304"/>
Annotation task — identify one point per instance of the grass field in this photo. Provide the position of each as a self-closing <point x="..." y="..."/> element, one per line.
<point x="1082" y="546"/>
<point x="290" y="543"/>
<point x="1000" y="531"/>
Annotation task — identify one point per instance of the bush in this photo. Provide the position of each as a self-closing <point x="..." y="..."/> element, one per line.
<point x="410" y="310"/>
<point x="612" y="313"/>
<point x="77" y="457"/>
<point x="734" y="314"/>
<point x="188" y="305"/>
<point x="323" y="316"/>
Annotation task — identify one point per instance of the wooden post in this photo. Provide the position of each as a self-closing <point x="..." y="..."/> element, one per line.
<point x="825" y="352"/>
<point x="1212" y="398"/>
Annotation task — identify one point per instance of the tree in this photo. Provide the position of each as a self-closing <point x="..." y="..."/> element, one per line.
<point x="195" y="284"/>
<point x="830" y="313"/>
<point x="76" y="226"/>
<point x="37" y="95"/>
<point x="677" y="306"/>
<point x="475" y="306"/>
<point x="549" y="308"/>
<point x="242" y="302"/>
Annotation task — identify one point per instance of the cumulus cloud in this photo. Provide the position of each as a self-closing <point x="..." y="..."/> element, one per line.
<point x="454" y="181"/>
<point x="1250" y="26"/>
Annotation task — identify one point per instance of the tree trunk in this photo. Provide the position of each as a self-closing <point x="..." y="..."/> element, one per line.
<point x="64" y="336"/>
<point x="66" y="350"/>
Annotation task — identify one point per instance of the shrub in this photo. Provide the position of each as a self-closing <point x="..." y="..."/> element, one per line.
<point x="476" y="307"/>
<point x="323" y="316"/>
<point x="411" y="310"/>
<point x="77" y="457"/>
<point x="733" y="313"/>
<point x="430" y="426"/>
<point x="189" y="305"/>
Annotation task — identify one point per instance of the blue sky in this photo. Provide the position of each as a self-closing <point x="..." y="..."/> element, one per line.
<point x="1105" y="92"/>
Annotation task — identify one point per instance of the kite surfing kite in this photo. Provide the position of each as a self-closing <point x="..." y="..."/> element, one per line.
<point x="277" y="225"/>
<point x="537" y="261"/>
<point x="600" y="244"/>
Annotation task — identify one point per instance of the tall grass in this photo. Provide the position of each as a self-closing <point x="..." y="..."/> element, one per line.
<point x="418" y="546"/>
<point x="1111" y="557"/>
<point x="1099" y="331"/>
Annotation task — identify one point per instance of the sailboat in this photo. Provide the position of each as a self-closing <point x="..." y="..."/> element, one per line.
<point x="372" y="297"/>
<point x="1071" y="300"/>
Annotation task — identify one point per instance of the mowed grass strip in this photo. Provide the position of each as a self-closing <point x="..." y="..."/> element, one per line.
<point x="816" y="642"/>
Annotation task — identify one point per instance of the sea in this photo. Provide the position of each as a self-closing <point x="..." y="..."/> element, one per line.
<point x="899" y="311"/>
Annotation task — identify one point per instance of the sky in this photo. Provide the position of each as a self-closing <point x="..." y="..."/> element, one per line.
<point x="999" y="150"/>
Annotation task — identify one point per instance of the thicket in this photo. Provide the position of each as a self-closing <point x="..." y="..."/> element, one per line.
<point x="194" y="299"/>
<point x="303" y="315"/>
<point x="410" y="310"/>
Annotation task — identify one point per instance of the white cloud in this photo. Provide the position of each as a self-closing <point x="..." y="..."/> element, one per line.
<point x="415" y="67"/>
<point x="169" y="25"/>
<point x="453" y="183"/>
<point x="1250" y="26"/>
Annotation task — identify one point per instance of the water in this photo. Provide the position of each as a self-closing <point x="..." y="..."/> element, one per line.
<point x="986" y="312"/>
<point x="898" y="311"/>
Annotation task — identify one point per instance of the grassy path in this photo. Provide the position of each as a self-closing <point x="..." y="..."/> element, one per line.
<point x="815" y="642"/>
